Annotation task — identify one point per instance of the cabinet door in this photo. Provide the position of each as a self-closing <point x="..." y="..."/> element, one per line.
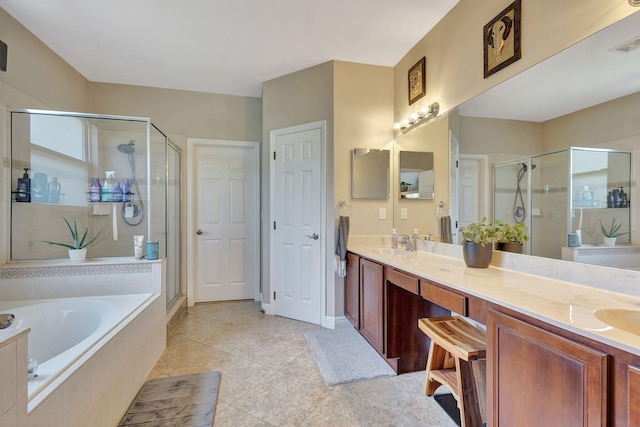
<point x="352" y="290"/>
<point x="537" y="378"/>
<point x="633" y="391"/>
<point x="371" y="303"/>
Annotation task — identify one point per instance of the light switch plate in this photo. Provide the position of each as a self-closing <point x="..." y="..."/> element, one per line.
<point x="383" y="213"/>
<point x="403" y="213"/>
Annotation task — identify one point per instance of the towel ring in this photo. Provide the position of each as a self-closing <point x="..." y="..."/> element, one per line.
<point x="343" y="209"/>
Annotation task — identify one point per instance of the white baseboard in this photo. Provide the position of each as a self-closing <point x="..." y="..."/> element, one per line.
<point x="267" y="308"/>
<point x="331" y="322"/>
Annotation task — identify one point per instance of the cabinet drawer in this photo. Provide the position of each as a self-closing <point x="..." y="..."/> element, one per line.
<point x="402" y="280"/>
<point x="443" y="297"/>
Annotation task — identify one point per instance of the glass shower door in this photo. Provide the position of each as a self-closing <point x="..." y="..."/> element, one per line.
<point x="173" y="224"/>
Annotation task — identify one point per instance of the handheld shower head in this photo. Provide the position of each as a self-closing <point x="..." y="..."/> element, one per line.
<point x="127" y="148"/>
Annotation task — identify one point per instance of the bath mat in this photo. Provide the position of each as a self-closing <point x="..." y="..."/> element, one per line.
<point x="450" y="406"/>
<point x="186" y="401"/>
<point x="344" y="356"/>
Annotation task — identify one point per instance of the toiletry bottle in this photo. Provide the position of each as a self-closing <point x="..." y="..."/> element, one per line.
<point x="394" y="238"/>
<point x="53" y="190"/>
<point x="414" y="238"/>
<point x="96" y="190"/>
<point x="23" y="192"/>
<point x="126" y="191"/>
<point x="116" y="194"/>
<point x="623" y="198"/>
<point x="107" y="186"/>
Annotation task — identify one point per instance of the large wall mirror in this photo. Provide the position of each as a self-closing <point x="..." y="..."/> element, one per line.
<point x="370" y="171"/>
<point x="585" y="96"/>
<point x="416" y="175"/>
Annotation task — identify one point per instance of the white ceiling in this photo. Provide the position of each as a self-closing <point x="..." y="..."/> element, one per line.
<point x="586" y="74"/>
<point x="223" y="46"/>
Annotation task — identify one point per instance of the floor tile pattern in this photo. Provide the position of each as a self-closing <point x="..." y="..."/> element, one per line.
<point x="269" y="376"/>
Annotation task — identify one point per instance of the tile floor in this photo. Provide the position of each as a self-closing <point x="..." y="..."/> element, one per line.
<point x="269" y="376"/>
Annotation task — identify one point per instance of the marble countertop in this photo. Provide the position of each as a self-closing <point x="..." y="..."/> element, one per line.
<point x="568" y="305"/>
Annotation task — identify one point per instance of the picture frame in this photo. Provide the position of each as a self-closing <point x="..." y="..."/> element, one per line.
<point x="501" y="39"/>
<point x="417" y="80"/>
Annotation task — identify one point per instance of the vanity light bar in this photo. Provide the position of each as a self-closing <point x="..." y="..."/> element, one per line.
<point x="416" y="119"/>
<point x="635" y="3"/>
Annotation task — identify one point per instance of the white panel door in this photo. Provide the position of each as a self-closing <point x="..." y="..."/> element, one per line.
<point x="226" y="226"/>
<point x="298" y="250"/>
<point x="473" y="188"/>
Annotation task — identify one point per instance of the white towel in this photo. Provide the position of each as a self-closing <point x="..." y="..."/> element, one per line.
<point x="340" y="259"/>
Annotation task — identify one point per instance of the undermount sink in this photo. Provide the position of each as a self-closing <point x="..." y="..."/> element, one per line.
<point x="393" y="251"/>
<point x="620" y="318"/>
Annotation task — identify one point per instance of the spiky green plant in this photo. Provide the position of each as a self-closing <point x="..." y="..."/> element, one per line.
<point x="612" y="231"/>
<point x="78" y="242"/>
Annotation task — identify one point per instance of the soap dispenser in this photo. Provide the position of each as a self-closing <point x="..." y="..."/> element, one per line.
<point x="414" y="238"/>
<point x="107" y="186"/>
<point x="394" y="238"/>
<point x="23" y="192"/>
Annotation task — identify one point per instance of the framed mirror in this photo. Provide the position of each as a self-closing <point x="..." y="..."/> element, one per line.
<point x="416" y="175"/>
<point x="370" y="173"/>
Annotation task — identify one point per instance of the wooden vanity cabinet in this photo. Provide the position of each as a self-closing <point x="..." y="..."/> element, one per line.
<point x="372" y="303"/>
<point x="633" y="395"/>
<point x="539" y="378"/>
<point x="352" y="290"/>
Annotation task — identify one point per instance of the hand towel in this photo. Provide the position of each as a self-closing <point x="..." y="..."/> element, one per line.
<point x="340" y="260"/>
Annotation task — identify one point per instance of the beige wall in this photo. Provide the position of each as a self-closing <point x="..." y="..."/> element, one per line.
<point x="195" y="114"/>
<point x="363" y="110"/>
<point x="454" y="48"/>
<point x="298" y="98"/>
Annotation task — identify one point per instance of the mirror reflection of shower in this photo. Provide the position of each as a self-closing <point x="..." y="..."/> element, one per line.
<point x="132" y="209"/>
<point x="519" y="210"/>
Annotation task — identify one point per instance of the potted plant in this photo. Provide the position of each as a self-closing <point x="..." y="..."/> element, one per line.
<point x="77" y="249"/>
<point x="404" y="186"/>
<point x="477" y="243"/>
<point x="510" y="238"/>
<point x="611" y="233"/>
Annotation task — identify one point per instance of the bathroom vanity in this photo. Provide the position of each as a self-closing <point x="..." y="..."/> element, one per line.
<point x="557" y="352"/>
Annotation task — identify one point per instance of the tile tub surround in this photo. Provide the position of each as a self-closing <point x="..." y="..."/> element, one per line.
<point x="27" y="280"/>
<point x="104" y="382"/>
<point x="566" y="304"/>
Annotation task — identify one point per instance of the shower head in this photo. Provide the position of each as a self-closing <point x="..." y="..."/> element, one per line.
<point x="127" y="148"/>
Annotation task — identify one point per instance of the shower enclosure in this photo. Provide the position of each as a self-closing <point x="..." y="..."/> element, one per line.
<point x="562" y="192"/>
<point x="64" y="154"/>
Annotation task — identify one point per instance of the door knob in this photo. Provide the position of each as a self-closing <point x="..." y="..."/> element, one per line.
<point x="199" y="232"/>
<point x="314" y="236"/>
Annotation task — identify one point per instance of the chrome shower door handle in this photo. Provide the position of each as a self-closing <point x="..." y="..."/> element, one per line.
<point x="199" y="232"/>
<point x="314" y="236"/>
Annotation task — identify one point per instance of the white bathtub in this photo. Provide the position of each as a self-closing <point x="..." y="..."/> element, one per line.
<point x="64" y="331"/>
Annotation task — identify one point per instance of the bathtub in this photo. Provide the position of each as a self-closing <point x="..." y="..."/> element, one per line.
<point x="64" y="332"/>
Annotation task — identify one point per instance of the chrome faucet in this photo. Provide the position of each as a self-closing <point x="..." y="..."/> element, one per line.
<point x="407" y="242"/>
<point x="6" y="320"/>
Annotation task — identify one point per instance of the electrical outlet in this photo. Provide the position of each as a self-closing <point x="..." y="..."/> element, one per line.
<point x="403" y="213"/>
<point x="383" y="213"/>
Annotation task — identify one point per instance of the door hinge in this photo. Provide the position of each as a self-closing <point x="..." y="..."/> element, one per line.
<point x="457" y="163"/>
<point x="274" y="225"/>
<point x="274" y="155"/>
<point x="456" y="224"/>
<point x="274" y="295"/>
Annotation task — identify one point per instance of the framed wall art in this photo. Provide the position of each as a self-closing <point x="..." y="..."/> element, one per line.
<point x="417" y="81"/>
<point x="502" y="39"/>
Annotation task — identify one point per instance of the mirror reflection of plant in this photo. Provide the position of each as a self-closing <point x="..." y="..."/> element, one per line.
<point x="78" y="242"/>
<point x="613" y="230"/>
<point x="481" y="232"/>
<point x="506" y="233"/>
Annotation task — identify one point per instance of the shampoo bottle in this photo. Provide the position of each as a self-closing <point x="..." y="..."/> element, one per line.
<point x="394" y="238"/>
<point x="96" y="190"/>
<point x="126" y="191"/>
<point x="23" y="192"/>
<point x="53" y="190"/>
<point x="116" y="194"/>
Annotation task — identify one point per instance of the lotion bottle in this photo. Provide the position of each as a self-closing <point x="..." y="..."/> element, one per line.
<point x="394" y="238"/>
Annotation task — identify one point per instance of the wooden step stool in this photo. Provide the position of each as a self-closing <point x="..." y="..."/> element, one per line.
<point x="457" y="359"/>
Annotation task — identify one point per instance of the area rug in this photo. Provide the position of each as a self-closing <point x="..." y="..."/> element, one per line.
<point x="344" y="356"/>
<point x="187" y="400"/>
